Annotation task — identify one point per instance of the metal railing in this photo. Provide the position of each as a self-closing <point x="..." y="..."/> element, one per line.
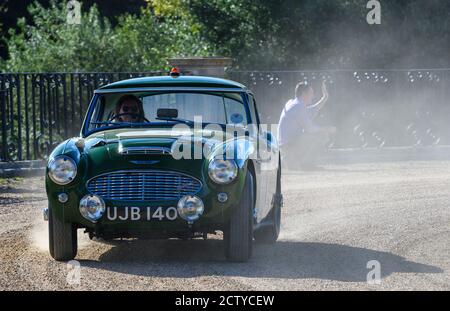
<point x="39" y="110"/>
<point x="369" y="108"/>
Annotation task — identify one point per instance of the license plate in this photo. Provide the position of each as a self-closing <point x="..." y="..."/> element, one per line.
<point x="133" y="213"/>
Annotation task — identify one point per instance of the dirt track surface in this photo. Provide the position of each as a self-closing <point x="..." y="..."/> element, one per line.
<point x="334" y="222"/>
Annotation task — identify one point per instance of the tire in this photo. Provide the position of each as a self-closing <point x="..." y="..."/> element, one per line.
<point x="238" y="237"/>
<point x="269" y="234"/>
<point x="62" y="238"/>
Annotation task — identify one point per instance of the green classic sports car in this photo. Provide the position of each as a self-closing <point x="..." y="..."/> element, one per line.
<point x="167" y="157"/>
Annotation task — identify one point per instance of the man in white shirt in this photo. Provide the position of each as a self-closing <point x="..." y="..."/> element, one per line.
<point x="300" y="138"/>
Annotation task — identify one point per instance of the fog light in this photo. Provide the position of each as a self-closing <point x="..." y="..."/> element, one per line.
<point x="92" y="207"/>
<point x="222" y="197"/>
<point x="190" y="208"/>
<point x="63" y="197"/>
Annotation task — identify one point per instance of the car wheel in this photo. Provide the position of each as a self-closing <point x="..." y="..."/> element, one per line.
<point x="62" y="236"/>
<point x="269" y="234"/>
<point x="238" y="236"/>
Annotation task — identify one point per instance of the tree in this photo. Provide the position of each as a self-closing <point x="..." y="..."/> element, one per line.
<point x="138" y="43"/>
<point x="258" y="34"/>
<point x="315" y="34"/>
<point x="144" y="42"/>
<point x="110" y="9"/>
<point x="49" y="43"/>
<point x="274" y="34"/>
<point x="3" y="10"/>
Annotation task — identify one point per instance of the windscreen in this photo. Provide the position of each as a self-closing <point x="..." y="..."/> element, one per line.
<point x="145" y="108"/>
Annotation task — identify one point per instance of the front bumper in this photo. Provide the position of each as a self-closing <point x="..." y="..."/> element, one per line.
<point x="214" y="217"/>
<point x="216" y="214"/>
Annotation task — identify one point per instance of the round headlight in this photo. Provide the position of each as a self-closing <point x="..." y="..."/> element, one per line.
<point x="62" y="170"/>
<point x="92" y="207"/>
<point x="190" y="208"/>
<point x="222" y="171"/>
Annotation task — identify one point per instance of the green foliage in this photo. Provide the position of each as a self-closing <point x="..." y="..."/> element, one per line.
<point x="2" y="62"/>
<point x="2" y="38"/>
<point x="268" y="34"/>
<point x="315" y="34"/>
<point x="137" y="43"/>
<point x="258" y="34"/>
<point x="145" y="42"/>
<point x="241" y="29"/>
<point x="52" y="44"/>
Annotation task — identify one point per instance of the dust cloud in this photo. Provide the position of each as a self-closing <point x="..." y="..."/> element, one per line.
<point x="38" y="236"/>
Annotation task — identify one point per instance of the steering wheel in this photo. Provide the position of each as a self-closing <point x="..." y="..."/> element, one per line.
<point x="129" y="114"/>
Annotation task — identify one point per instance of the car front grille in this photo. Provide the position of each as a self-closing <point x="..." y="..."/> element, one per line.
<point x="149" y="185"/>
<point x="145" y="151"/>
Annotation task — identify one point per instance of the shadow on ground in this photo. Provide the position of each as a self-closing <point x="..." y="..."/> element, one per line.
<point x="294" y="260"/>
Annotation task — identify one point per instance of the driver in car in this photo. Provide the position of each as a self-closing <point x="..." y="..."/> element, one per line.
<point x="129" y="109"/>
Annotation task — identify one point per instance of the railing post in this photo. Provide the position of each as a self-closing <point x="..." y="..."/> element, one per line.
<point x="3" y="113"/>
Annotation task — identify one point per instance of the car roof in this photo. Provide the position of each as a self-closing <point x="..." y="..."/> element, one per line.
<point x="170" y="81"/>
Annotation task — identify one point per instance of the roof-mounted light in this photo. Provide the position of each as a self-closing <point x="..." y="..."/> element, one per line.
<point x="175" y="72"/>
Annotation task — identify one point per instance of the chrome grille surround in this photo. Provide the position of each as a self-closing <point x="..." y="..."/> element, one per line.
<point x="144" y="151"/>
<point x="143" y="185"/>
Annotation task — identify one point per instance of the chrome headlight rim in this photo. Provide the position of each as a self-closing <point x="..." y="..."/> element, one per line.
<point x="213" y="175"/>
<point x="51" y="170"/>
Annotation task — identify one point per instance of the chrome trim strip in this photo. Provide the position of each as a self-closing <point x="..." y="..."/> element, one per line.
<point x="144" y="150"/>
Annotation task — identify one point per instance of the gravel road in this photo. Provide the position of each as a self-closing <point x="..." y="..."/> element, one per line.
<point x="335" y="221"/>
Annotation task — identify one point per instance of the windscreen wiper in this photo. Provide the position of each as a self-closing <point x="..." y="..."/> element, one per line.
<point x="119" y="123"/>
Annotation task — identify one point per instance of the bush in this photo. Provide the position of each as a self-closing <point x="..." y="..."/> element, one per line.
<point x="138" y="43"/>
<point x="145" y="42"/>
